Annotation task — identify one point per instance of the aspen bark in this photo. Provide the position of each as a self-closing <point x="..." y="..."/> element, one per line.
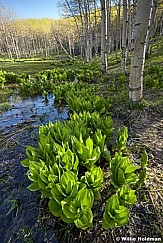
<point x="108" y="26"/>
<point x="103" y="35"/>
<point x="95" y="29"/>
<point x="142" y="21"/>
<point x="86" y="21"/>
<point x="124" y="36"/>
<point x="151" y="27"/>
<point x="118" y="34"/>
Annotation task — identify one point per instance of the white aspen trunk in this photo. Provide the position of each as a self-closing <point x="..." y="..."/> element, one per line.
<point x="82" y="39"/>
<point x="89" y="29"/>
<point x="142" y="22"/>
<point x="95" y="29"/>
<point x="90" y="46"/>
<point x="124" y="36"/>
<point x="57" y="39"/>
<point x="34" y="46"/>
<point x="108" y="26"/>
<point x="74" y="17"/>
<point x="8" y="48"/>
<point x="46" y="50"/>
<point x="81" y="47"/>
<point x="153" y="14"/>
<point x="17" y="43"/>
<point x="129" y="25"/>
<point x="17" y="47"/>
<point x="13" y="45"/>
<point x="87" y="47"/>
<point x="24" y="47"/>
<point x="103" y="35"/>
<point x="9" y="52"/>
<point x="73" y="49"/>
<point x="158" y="19"/>
<point x="69" y="42"/>
<point x="118" y="27"/>
<point x="151" y="27"/>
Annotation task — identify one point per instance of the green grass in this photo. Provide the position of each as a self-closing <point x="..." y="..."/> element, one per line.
<point x="29" y="67"/>
<point x="4" y="107"/>
<point x="5" y="93"/>
<point x="32" y="67"/>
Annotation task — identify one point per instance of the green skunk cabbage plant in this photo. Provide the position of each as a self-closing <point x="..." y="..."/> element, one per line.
<point x="82" y="99"/>
<point x="101" y="104"/>
<point x="44" y="129"/>
<point x="68" y="160"/>
<point x="31" y="152"/>
<point x="106" y="154"/>
<point x="59" y="92"/>
<point x="88" y="155"/>
<point x="78" y="103"/>
<point x="43" y="177"/>
<point x="79" y="128"/>
<point x="122" y="138"/>
<point x="93" y="179"/>
<point x="143" y="172"/>
<point x="79" y="209"/>
<point x="60" y="133"/>
<point x="95" y="123"/>
<point x="144" y="159"/>
<point x="75" y="208"/>
<point x="67" y="187"/>
<point x="81" y="116"/>
<point x="46" y="150"/>
<point x="142" y="178"/>
<point x="105" y="125"/>
<point x="99" y="140"/>
<point x="82" y="207"/>
<point x="115" y="215"/>
<point x="107" y="128"/>
<point x="126" y="196"/>
<point x="86" y="117"/>
<point x="2" y="78"/>
<point x="122" y="171"/>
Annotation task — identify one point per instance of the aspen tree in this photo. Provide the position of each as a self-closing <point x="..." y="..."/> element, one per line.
<point x="108" y="26"/>
<point x="142" y="22"/>
<point x="118" y="31"/>
<point x="103" y="35"/>
<point x="124" y="35"/>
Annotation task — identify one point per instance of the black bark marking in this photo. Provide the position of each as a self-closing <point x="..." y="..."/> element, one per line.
<point x="134" y="89"/>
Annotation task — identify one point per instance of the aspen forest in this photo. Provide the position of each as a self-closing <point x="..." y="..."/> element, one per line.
<point x="81" y="123"/>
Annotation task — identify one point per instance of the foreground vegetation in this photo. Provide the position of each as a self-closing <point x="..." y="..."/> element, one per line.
<point x="84" y="152"/>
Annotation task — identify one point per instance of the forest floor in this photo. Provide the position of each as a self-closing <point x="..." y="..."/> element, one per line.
<point x="25" y="217"/>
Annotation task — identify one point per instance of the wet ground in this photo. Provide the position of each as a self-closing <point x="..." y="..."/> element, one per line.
<point x="38" y="110"/>
<point x="20" y="209"/>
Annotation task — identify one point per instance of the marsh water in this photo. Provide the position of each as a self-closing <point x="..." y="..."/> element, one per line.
<point x="20" y="209"/>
